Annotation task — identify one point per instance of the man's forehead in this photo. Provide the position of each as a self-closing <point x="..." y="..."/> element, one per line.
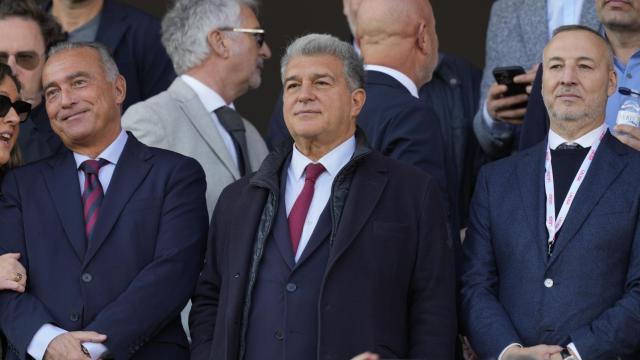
<point x="314" y="64"/>
<point x="573" y="45"/>
<point x="69" y="61"/>
<point x="19" y="34"/>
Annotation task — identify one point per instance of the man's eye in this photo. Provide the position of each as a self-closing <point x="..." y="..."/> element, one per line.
<point x="79" y="82"/>
<point x="291" y="86"/>
<point x="50" y="94"/>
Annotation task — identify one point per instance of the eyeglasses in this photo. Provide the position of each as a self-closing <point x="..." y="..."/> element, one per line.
<point x="22" y="108"/>
<point x="27" y="60"/>
<point x="258" y="34"/>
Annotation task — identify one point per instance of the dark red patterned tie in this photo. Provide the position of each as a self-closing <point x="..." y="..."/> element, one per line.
<point x="300" y="208"/>
<point x="92" y="194"/>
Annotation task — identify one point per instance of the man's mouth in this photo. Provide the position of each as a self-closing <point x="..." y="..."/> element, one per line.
<point x="66" y="117"/>
<point x="307" y="112"/>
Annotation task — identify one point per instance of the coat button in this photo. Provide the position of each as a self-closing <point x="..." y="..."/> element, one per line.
<point x="279" y="335"/>
<point x="548" y="283"/>
<point x="291" y="287"/>
<point x="74" y="317"/>
<point x="86" y="277"/>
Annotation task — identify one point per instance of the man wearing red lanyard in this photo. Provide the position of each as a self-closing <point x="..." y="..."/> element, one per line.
<point x="552" y="257"/>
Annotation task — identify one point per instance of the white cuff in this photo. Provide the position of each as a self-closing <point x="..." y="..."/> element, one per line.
<point x="497" y="128"/>
<point x="40" y="341"/>
<point x="507" y="348"/>
<point x="574" y="350"/>
<point x="95" y="349"/>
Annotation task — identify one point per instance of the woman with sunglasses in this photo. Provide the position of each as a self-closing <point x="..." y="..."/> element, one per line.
<point x="12" y="113"/>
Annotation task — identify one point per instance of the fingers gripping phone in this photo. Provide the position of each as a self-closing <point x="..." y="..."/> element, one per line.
<point x="504" y="76"/>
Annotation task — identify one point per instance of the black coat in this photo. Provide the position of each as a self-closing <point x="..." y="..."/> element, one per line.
<point x="389" y="285"/>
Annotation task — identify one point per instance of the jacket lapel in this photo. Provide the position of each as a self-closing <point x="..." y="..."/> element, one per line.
<point x="63" y="185"/>
<point x="112" y="25"/>
<point x="606" y="166"/>
<point x="530" y="172"/>
<point x="534" y="27"/>
<point x="318" y="236"/>
<point x="364" y="193"/>
<point x="129" y="173"/>
<point x="588" y="16"/>
<point x="203" y="123"/>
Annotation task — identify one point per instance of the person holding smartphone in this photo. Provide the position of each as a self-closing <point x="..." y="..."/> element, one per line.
<point x="517" y="33"/>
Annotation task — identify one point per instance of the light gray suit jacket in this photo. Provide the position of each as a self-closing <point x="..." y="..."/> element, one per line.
<point x="176" y="120"/>
<point x="518" y="32"/>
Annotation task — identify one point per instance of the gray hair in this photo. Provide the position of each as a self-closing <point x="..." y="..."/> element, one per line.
<point x="109" y="65"/>
<point x="186" y="26"/>
<point x="324" y="44"/>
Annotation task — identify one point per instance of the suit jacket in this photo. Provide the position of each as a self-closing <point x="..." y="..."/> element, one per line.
<point x="453" y="94"/>
<point x="402" y="127"/>
<point x="518" y="32"/>
<point x="588" y="291"/>
<point x="37" y="140"/>
<point x="133" y="37"/>
<point x="536" y="121"/>
<point x="176" y="120"/>
<point x="388" y="286"/>
<point x="138" y="272"/>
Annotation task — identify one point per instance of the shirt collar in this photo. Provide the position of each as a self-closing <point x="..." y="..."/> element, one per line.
<point x="333" y="161"/>
<point x="585" y="140"/>
<point x="111" y="153"/>
<point x="208" y="97"/>
<point x="402" y="78"/>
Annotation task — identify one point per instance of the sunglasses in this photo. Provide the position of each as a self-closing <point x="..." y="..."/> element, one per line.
<point x="258" y="34"/>
<point x="27" y="60"/>
<point x="22" y="108"/>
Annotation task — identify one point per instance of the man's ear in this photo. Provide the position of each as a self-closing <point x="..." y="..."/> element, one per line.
<point x="358" y="97"/>
<point x="120" y="86"/>
<point x="422" y="38"/>
<point x="218" y="43"/>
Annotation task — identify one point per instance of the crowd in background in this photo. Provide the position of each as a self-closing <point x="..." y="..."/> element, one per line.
<point x="120" y="142"/>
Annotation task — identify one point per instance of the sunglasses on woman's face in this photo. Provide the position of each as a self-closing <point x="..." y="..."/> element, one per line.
<point x="22" y="108"/>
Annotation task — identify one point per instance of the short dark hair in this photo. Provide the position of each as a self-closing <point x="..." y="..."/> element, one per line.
<point x="51" y="31"/>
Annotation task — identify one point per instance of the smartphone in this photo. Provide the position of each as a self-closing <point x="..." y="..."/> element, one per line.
<point x="504" y="76"/>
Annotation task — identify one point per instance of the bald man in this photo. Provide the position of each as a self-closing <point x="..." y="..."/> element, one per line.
<point x="399" y="45"/>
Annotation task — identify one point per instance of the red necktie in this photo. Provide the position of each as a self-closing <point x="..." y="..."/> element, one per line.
<point x="92" y="194"/>
<point x="300" y="208"/>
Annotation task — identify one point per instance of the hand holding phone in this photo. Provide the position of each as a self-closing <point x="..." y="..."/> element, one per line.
<point x="507" y="98"/>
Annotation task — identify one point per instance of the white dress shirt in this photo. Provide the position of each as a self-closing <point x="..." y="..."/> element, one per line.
<point x="402" y="78"/>
<point x="563" y="12"/>
<point x="47" y="332"/>
<point x="556" y="140"/>
<point x="333" y="162"/>
<point x="585" y="140"/>
<point x="211" y="101"/>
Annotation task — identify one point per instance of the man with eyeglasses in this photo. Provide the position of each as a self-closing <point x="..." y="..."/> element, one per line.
<point x="27" y="33"/>
<point x="218" y="50"/>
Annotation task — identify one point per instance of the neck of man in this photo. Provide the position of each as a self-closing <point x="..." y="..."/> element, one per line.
<point x="573" y="130"/>
<point x="96" y="146"/>
<point x="216" y="80"/>
<point x="624" y="42"/>
<point x="73" y="14"/>
<point x="315" y="149"/>
<point x="391" y="56"/>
